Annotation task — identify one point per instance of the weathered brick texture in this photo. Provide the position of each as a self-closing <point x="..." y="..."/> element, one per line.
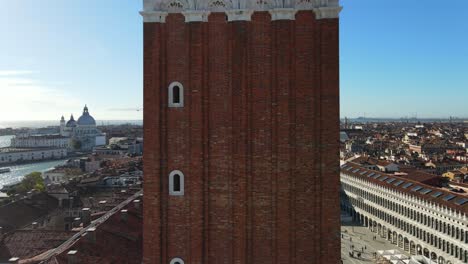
<point x="257" y="140"/>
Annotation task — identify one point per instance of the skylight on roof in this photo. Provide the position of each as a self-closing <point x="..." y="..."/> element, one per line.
<point x="417" y="188"/>
<point x="407" y="185"/>
<point x="436" y="194"/>
<point x="344" y="166"/>
<point x="349" y="168"/>
<point x="391" y="180"/>
<point x="362" y="173"/>
<point x="383" y="178"/>
<point x="461" y="201"/>
<point x="371" y="174"/>
<point x="425" y="191"/>
<point x="376" y="176"/>
<point x="398" y="183"/>
<point x="356" y="170"/>
<point x="449" y="197"/>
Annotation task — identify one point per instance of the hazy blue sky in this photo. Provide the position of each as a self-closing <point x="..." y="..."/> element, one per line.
<point x="398" y="58"/>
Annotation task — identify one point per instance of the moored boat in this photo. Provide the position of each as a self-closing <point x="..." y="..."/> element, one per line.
<point x="5" y="170"/>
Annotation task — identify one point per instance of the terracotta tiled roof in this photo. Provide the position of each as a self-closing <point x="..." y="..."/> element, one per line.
<point x="28" y="243"/>
<point x="20" y="213"/>
<point x="116" y="238"/>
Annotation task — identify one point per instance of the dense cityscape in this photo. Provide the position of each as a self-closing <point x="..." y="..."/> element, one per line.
<point x="84" y="195"/>
<point x="233" y="132"/>
<point x="405" y="184"/>
<point x="404" y="193"/>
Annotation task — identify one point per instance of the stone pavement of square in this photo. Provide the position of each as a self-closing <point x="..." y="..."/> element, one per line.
<point x="359" y="240"/>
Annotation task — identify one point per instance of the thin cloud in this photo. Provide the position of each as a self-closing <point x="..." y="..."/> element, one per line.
<point x="26" y="98"/>
<point x="14" y="73"/>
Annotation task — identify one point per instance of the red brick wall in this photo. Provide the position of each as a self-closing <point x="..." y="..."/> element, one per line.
<point x="257" y="140"/>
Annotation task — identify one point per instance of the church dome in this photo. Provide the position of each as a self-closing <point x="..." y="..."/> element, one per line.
<point x="86" y="119"/>
<point x="71" y="122"/>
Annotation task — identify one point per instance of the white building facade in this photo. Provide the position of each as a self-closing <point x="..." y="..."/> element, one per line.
<point x="42" y="141"/>
<point x="420" y="219"/>
<point x="12" y="155"/>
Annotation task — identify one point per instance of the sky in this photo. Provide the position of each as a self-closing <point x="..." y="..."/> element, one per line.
<point x="398" y="58"/>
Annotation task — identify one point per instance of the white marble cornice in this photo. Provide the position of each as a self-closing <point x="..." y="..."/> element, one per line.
<point x="196" y="15"/>
<point x="154" y="16"/>
<point x="239" y="14"/>
<point x="283" y="14"/>
<point x="327" y="12"/>
<point x="237" y="10"/>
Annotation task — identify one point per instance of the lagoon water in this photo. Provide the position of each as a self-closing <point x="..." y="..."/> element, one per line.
<point x="18" y="171"/>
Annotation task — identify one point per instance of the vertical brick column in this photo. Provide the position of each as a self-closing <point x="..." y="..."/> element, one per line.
<point x="220" y="141"/>
<point x="329" y="75"/>
<point x="260" y="61"/>
<point x="153" y="152"/>
<point x="307" y="176"/>
<point x="283" y="132"/>
<point x="194" y="182"/>
<point x="239" y="35"/>
<point x="178" y="220"/>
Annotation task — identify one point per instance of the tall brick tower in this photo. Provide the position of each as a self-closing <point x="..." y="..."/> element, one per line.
<point x="241" y="114"/>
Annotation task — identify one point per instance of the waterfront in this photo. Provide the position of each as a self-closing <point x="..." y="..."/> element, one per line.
<point x="46" y="123"/>
<point x="18" y="171"/>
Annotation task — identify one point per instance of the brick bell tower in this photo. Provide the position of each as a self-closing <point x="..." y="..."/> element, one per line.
<point x="241" y="115"/>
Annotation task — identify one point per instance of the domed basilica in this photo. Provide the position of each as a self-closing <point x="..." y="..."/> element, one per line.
<point x="83" y="133"/>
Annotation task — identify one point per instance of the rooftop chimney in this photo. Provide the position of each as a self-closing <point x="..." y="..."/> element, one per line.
<point x="91" y="234"/>
<point x="72" y="257"/>
<point x="124" y="215"/>
<point x="76" y="222"/>
<point x="86" y="215"/>
<point x="35" y="225"/>
<point x="137" y="204"/>
<point x="102" y="205"/>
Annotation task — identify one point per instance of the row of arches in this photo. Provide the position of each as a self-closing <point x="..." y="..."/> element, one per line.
<point x="372" y="214"/>
<point x="405" y="243"/>
<point x="418" y="216"/>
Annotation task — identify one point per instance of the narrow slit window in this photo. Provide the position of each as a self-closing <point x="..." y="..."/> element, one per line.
<point x="176" y="183"/>
<point x="176" y="95"/>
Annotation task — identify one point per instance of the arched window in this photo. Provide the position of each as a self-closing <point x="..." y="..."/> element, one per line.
<point x="176" y="95"/>
<point x="176" y="183"/>
<point x="177" y="261"/>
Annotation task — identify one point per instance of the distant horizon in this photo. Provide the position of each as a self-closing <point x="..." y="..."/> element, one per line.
<point x="47" y="123"/>
<point x="391" y="66"/>
<point x="341" y="117"/>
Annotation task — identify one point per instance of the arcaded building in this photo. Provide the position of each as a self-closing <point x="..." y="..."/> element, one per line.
<point x="421" y="219"/>
<point x="241" y="117"/>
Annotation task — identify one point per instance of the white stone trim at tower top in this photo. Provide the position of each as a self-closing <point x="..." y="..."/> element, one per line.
<point x="198" y="10"/>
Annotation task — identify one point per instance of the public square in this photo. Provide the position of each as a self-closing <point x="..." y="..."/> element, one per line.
<point x="362" y="243"/>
